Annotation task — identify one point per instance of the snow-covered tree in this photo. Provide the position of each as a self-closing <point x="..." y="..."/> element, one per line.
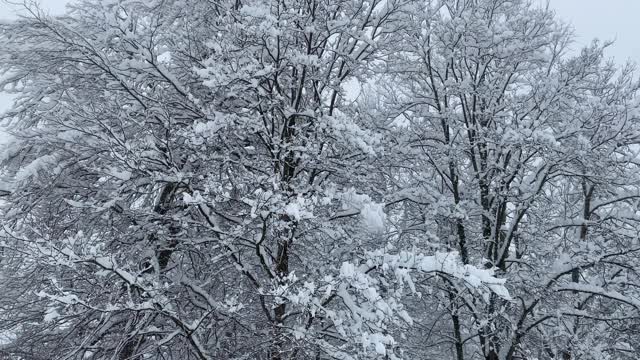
<point x="524" y="158"/>
<point x="190" y="179"/>
<point x="316" y="179"/>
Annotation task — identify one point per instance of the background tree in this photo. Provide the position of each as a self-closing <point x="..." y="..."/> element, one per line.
<point x="504" y="142"/>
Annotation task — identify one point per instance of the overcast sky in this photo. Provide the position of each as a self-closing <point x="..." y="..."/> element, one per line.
<point x="604" y="19"/>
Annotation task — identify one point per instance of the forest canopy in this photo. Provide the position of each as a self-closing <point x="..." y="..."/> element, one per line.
<point x="316" y="179"/>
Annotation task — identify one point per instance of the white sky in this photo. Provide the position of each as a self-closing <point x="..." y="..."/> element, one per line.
<point x="603" y="19"/>
<point x="606" y="20"/>
<point x="54" y="6"/>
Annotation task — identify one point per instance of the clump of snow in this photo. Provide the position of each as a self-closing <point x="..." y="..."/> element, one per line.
<point x="207" y="128"/>
<point x="371" y="213"/>
<point x="123" y="175"/>
<point x="347" y="270"/>
<point x="36" y="165"/>
<point x="444" y="262"/>
<point x="347" y="129"/>
<point x="164" y="57"/>
<point x="195" y="198"/>
<point x="378" y="341"/>
<point x="400" y="122"/>
<point x="51" y="314"/>
<point x="373" y="216"/>
<point x="299" y="209"/>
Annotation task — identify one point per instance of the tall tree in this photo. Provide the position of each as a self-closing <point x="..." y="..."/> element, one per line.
<point x="188" y="180"/>
<point x="521" y="158"/>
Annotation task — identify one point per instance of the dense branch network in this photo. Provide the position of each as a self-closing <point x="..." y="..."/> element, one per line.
<point x="316" y="179"/>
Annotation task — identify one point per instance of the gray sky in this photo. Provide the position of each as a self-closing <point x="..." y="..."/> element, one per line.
<point x="606" y="20"/>
<point x="603" y="19"/>
<point x="54" y="6"/>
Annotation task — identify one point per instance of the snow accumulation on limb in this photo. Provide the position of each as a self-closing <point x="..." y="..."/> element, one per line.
<point x="600" y="291"/>
<point x="447" y="263"/>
